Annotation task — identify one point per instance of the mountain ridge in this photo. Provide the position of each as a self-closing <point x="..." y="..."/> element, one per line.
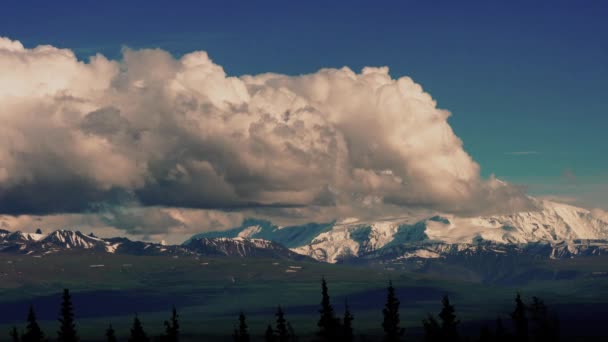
<point x="68" y="241"/>
<point x="556" y="231"/>
<point x="554" y="224"/>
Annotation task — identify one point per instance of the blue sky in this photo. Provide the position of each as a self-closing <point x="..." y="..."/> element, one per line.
<point x="517" y="77"/>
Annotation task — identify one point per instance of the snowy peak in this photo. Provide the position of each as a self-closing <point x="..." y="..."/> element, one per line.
<point x="290" y="236"/>
<point x="67" y="241"/>
<point x="22" y="237"/>
<point x="70" y="239"/>
<point x="554" y="224"/>
<point x="241" y="247"/>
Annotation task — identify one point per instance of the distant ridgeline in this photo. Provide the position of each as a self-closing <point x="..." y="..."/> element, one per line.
<point x="555" y="231"/>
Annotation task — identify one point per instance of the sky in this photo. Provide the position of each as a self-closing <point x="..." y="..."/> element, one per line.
<point x="524" y="83"/>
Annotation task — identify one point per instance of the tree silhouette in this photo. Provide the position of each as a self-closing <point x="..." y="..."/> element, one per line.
<point x="110" y="334"/>
<point x="392" y="331"/>
<point x="449" y="323"/>
<point x="137" y="332"/>
<point x="432" y="329"/>
<point x="33" y="333"/>
<point x="347" y="326"/>
<point x="241" y="334"/>
<point x="14" y="334"/>
<point x="67" y="327"/>
<point x="172" y="328"/>
<point x="520" y="320"/>
<point x="281" y="327"/>
<point x="269" y="335"/>
<point x="328" y="323"/>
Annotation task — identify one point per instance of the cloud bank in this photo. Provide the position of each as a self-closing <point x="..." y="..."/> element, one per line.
<point x="153" y="131"/>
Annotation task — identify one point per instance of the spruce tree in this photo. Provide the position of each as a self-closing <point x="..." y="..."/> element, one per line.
<point x="432" y="329"/>
<point x="33" y="333"/>
<point x="172" y="328"/>
<point x="137" y="332"/>
<point x="347" y="326"/>
<point x="449" y="323"/>
<point x="67" y="327"/>
<point x="328" y="323"/>
<point x="110" y="334"/>
<point x="520" y="320"/>
<point x="392" y="331"/>
<point x="241" y="334"/>
<point x="269" y="335"/>
<point x="14" y="334"/>
<point x="281" y="327"/>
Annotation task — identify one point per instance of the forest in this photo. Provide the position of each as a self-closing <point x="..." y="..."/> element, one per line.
<point x="529" y="321"/>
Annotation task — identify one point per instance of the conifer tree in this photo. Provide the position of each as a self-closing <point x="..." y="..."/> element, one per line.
<point x="33" y="333"/>
<point x="110" y="334"/>
<point x="520" y="320"/>
<point x="432" y="329"/>
<point x="347" y="326"/>
<point x="67" y="327"/>
<point x="449" y="323"/>
<point x="172" y="328"/>
<point x="328" y="323"/>
<point x="14" y="334"/>
<point x="281" y="327"/>
<point x="241" y="334"/>
<point x="392" y="331"/>
<point x="269" y="335"/>
<point x="137" y="332"/>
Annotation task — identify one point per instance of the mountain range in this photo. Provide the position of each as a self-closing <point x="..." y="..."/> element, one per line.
<point x="67" y="241"/>
<point x="555" y="231"/>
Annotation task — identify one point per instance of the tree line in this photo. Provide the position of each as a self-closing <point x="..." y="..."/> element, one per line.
<point x="531" y="322"/>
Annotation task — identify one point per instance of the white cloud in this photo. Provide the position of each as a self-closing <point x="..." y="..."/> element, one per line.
<point x="178" y="133"/>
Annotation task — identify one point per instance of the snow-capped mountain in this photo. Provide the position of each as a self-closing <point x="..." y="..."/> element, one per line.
<point x="67" y="241"/>
<point x="555" y="230"/>
<point x="242" y="247"/>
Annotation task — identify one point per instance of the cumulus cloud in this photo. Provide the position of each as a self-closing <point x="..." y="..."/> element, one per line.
<point x="162" y="132"/>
